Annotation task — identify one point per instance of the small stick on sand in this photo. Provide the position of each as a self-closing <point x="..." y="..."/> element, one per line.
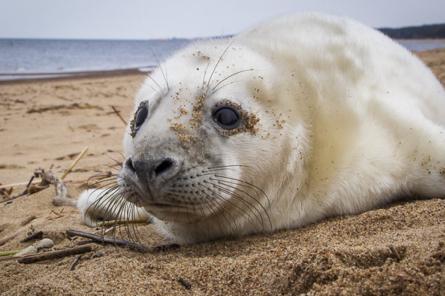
<point x="27" y="220"/>
<point x="7" y="239"/>
<point x="84" y="242"/>
<point x="55" y="254"/>
<point x="33" y="182"/>
<point x="75" y="161"/>
<point x="106" y="240"/>
<point x="33" y="236"/>
<point x="18" y="184"/>
<point x="8" y="258"/>
<point x="75" y="262"/>
<point x="111" y="223"/>
<point x="118" y="114"/>
<point x="25" y="192"/>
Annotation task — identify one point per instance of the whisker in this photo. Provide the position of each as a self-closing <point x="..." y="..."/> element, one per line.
<point x="251" y="186"/>
<point x="216" y="65"/>
<point x="221" y="206"/>
<point x="250" y="206"/>
<point x="205" y="73"/>
<point x="230" y="185"/>
<point x="227" y="166"/>
<point x="221" y="212"/>
<point x="225" y="85"/>
<point x="117" y="162"/>
<point x="158" y="60"/>
<point x="247" y="184"/>
<point x="228" y="77"/>
<point x="225" y="200"/>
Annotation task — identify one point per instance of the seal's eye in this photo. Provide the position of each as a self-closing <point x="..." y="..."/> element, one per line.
<point x="139" y="117"/>
<point x="227" y="118"/>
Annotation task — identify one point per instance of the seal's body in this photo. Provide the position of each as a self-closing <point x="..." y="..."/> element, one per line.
<point x="295" y="120"/>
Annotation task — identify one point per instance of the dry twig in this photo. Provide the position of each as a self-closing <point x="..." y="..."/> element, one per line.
<point x="75" y="262"/>
<point x="12" y="185"/>
<point x="33" y="236"/>
<point x="46" y="179"/>
<point x="106" y="240"/>
<point x="32" y="186"/>
<point x="7" y="239"/>
<point x="74" y="163"/>
<point x="55" y="254"/>
<point x="112" y="223"/>
<point x="118" y="114"/>
<point x="27" y="220"/>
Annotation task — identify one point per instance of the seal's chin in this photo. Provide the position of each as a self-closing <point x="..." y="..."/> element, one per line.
<point x="174" y="213"/>
<point x="171" y="212"/>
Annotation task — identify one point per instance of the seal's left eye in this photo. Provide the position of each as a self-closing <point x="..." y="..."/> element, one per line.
<point x="139" y="117"/>
<point x="227" y="118"/>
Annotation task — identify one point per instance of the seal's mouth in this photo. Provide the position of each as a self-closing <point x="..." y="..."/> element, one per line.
<point x="174" y="212"/>
<point x="160" y="205"/>
<point x="165" y="207"/>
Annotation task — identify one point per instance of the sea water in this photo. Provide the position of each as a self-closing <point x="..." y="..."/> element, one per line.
<point x="31" y="58"/>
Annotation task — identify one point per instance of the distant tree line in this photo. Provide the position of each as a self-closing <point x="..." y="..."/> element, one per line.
<point x="418" y="32"/>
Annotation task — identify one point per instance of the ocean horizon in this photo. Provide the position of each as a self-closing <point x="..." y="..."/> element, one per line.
<point x="40" y="58"/>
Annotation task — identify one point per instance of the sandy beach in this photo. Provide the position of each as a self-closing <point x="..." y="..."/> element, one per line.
<point x="395" y="250"/>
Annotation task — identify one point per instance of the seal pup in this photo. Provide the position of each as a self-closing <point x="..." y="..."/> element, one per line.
<point x="300" y="118"/>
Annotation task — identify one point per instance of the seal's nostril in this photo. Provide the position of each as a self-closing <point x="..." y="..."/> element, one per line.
<point x="129" y="165"/>
<point x="164" y="166"/>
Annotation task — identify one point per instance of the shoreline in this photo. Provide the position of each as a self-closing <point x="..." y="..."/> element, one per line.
<point x="81" y="75"/>
<point x="30" y="77"/>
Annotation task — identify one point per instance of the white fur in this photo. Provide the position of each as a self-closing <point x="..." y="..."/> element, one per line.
<point x="93" y="213"/>
<point x="363" y="120"/>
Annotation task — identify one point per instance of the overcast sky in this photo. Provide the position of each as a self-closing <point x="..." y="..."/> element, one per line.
<point x="139" y="19"/>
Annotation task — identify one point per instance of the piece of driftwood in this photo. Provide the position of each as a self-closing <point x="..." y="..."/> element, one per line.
<point x="27" y="220"/>
<point x="55" y="254"/>
<point x="75" y="262"/>
<point x="7" y="239"/>
<point x="47" y="178"/>
<point x="28" y="184"/>
<point x="84" y="242"/>
<point x="12" y="185"/>
<point x="6" y="193"/>
<point x="33" y="236"/>
<point x="107" y="240"/>
<point x="112" y="223"/>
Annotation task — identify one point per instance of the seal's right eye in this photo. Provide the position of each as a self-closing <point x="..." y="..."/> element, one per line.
<point x="227" y="118"/>
<point x="139" y="117"/>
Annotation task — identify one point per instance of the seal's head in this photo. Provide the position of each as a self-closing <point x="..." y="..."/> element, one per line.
<point x="212" y="143"/>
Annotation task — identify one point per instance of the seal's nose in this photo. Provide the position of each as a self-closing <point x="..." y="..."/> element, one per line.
<point x="154" y="171"/>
